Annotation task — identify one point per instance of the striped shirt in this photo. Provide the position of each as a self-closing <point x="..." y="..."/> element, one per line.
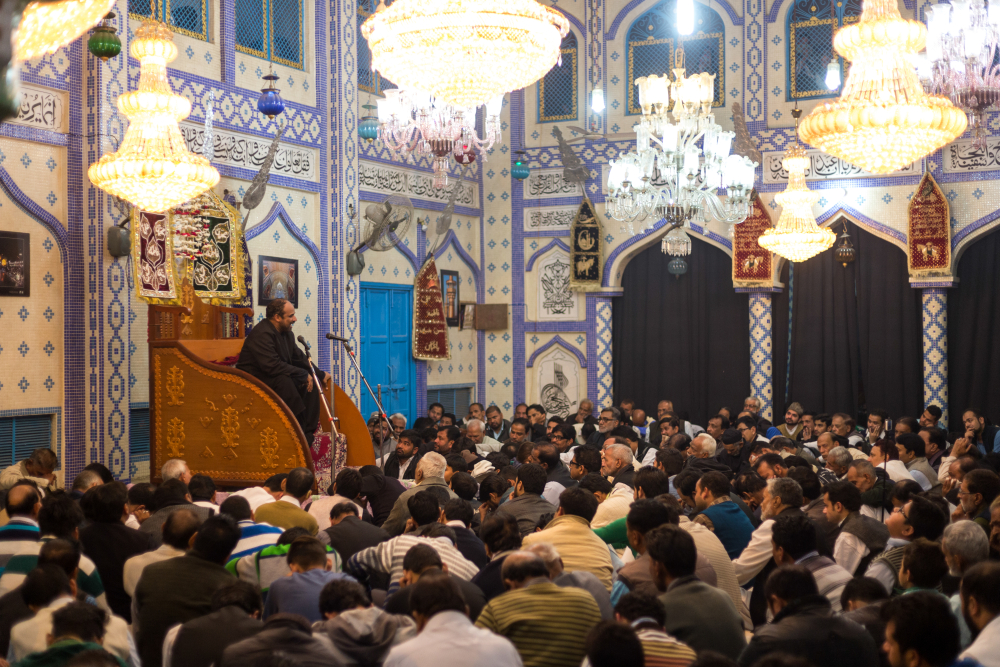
<point x="830" y="577"/>
<point x="88" y="579"/>
<point x="547" y="624"/>
<point x="254" y="537"/>
<point x="387" y="558"/>
<point x="660" y="650"/>
<point x="269" y="564"/>
<point x="19" y="534"/>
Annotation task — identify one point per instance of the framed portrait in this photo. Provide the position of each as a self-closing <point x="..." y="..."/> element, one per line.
<point x="277" y="278"/>
<point x="467" y="316"/>
<point x="450" y="283"/>
<point x="15" y="264"/>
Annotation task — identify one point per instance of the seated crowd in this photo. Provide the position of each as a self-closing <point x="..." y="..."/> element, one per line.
<point x="621" y="540"/>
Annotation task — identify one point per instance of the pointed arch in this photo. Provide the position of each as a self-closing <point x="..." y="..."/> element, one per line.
<point x="557" y="341"/>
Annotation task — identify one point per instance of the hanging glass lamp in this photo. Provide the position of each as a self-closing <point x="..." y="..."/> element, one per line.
<point x="270" y="103"/>
<point x="104" y="42"/>
<point x="519" y="169"/>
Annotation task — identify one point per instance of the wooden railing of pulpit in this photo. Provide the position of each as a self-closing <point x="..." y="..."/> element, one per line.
<point x="224" y="422"/>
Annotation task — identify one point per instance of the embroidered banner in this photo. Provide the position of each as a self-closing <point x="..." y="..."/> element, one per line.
<point x="217" y="273"/>
<point x="751" y="263"/>
<point x="929" y="236"/>
<point x="153" y="259"/>
<point x="430" y="332"/>
<point x="585" y="248"/>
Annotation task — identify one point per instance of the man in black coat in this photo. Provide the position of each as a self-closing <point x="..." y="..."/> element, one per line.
<point x="348" y="534"/>
<point x="804" y="626"/>
<point x="271" y="355"/>
<point x="236" y="611"/>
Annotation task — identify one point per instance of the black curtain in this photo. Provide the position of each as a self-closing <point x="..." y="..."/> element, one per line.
<point x="974" y="331"/>
<point x="855" y="332"/>
<point x="685" y="339"/>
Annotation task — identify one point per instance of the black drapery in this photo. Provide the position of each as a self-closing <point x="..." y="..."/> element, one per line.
<point x="685" y="339"/>
<point x="974" y="332"/>
<point x="855" y="332"/>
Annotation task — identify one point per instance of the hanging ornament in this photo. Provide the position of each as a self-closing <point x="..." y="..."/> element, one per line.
<point x="519" y="170"/>
<point x="676" y="243"/>
<point x="368" y="127"/>
<point x="270" y="103"/>
<point x="104" y="42"/>
<point x="677" y="267"/>
<point x="844" y="252"/>
<point x="468" y="155"/>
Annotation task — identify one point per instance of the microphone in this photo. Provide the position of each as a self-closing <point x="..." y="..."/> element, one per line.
<point x="304" y="342"/>
<point x="343" y="340"/>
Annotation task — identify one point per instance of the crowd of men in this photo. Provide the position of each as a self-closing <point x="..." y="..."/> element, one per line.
<point x="617" y="539"/>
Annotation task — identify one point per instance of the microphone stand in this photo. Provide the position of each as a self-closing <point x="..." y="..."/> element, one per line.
<point x="322" y="399"/>
<point x="383" y="418"/>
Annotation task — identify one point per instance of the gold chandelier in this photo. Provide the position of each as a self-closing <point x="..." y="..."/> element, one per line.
<point x="464" y="52"/>
<point x="46" y="26"/>
<point x="796" y="236"/>
<point x="153" y="169"/>
<point x="883" y="120"/>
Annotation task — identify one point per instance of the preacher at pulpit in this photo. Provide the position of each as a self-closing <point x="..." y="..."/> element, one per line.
<point x="271" y="355"/>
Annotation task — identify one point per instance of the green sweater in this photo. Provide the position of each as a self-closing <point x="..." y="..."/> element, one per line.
<point x="615" y="534"/>
<point x="60" y="653"/>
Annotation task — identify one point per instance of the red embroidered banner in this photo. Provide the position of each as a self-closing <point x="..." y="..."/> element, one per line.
<point x="751" y="263"/>
<point x="929" y="230"/>
<point x="430" y="332"/>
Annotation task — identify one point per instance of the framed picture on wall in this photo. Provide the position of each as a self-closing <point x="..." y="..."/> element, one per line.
<point x="449" y="294"/>
<point x="467" y="316"/>
<point x="15" y="264"/>
<point x="277" y="278"/>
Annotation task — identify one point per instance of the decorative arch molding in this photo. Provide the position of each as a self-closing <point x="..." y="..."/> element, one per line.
<point x="73" y="330"/>
<point x="968" y="235"/>
<point x="279" y="214"/>
<point x="620" y="257"/>
<point x="629" y="13"/>
<point x="554" y="243"/>
<point x="557" y="341"/>
<point x="452" y="240"/>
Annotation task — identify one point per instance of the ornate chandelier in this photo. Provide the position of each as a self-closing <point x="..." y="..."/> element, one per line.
<point x="464" y="52"/>
<point x="46" y="26"/>
<point x="796" y="236"/>
<point x="962" y="40"/>
<point x="412" y="123"/>
<point x="883" y="120"/>
<point x="668" y="176"/>
<point x="152" y="167"/>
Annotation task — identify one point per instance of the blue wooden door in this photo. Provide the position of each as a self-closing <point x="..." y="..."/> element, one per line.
<point x="386" y="349"/>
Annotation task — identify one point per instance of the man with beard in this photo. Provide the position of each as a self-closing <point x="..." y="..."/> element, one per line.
<point x="808" y="433"/>
<point x="985" y="437"/>
<point x="609" y="420"/>
<point x="717" y="425"/>
<point x="497" y="427"/>
<point x="793" y="421"/>
<point x="981" y="610"/>
<point x="476" y="411"/>
<point x="737" y="454"/>
<point x="475" y="430"/>
<point x="402" y="463"/>
<point x="978" y="490"/>
<point x="271" y="355"/>
<point x="963" y="546"/>
<point x="584" y="412"/>
<point x="920" y="631"/>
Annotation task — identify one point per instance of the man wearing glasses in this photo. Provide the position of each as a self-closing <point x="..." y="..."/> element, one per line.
<point x="563" y="436"/>
<point x="918" y="518"/>
<point x="585" y="460"/>
<point x="609" y="420"/>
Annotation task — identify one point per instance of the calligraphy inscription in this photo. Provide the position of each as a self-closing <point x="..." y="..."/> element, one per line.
<point x="240" y="150"/>
<point x="962" y="157"/>
<point x="548" y="219"/>
<point x="823" y="167"/>
<point x="40" y="108"/>
<point x="393" y="180"/>
<point x="549" y="183"/>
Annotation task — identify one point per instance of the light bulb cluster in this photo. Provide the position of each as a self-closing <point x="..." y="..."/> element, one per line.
<point x="46" y="26"/>
<point x="153" y="168"/>
<point x="412" y="123"/>
<point x="668" y="176"/>
<point x="883" y="119"/>
<point x="464" y="52"/>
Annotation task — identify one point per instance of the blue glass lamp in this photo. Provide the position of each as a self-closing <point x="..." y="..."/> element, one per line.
<point x="519" y="169"/>
<point x="368" y="127"/>
<point x="270" y="103"/>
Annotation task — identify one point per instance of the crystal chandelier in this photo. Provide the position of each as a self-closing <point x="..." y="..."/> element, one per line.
<point x="962" y="40"/>
<point x="883" y="119"/>
<point x="412" y="123"/>
<point x="676" y="243"/>
<point x="464" y="52"/>
<point x="46" y="26"/>
<point x="668" y="176"/>
<point x="152" y="167"/>
<point x="796" y="237"/>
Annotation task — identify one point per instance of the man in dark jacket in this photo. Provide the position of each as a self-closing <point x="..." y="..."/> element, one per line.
<point x="804" y="626"/>
<point x="171" y="496"/>
<point x="287" y="634"/>
<point x="423" y="559"/>
<point x="381" y="492"/>
<point x="200" y="642"/>
<point x="501" y="536"/>
<point x="271" y="355"/>
<point x="109" y="542"/>
<point x="348" y="534"/>
<point x="402" y="463"/>
<point x="702" y="457"/>
<point x="181" y="589"/>
<point x="735" y="453"/>
<point x="458" y="515"/>
<point x="359" y="632"/>
<point x="548" y="457"/>
<point x="526" y="504"/>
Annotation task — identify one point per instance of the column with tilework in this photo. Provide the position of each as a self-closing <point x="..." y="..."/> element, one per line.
<point x="761" y="375"/>
<point x="935" y="334"/>
<point x="602" y="350"/>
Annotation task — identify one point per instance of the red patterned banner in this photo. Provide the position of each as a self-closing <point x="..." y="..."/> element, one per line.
<point x="430" y="332"/>
<point x="930" y="231"/>
<point x="751" y="263"/>
<point x="153" y="258"/>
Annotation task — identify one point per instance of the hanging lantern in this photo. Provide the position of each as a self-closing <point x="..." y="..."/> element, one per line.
<point x="677" y="267"/>
<point x="270" y="103"/>
<point x="467" y="156"/>
<point x="368" y="127"/>
<point x="844" y="252"/>
<point x="519" y="170"/>
<point x="104" y="42"/>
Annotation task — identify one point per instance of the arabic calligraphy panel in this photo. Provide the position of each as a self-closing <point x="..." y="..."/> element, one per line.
<point x="243" y="150"/>
<point x="549" y="219"/>
<point x="550" y="184"/>
<point x="824" y="167"/>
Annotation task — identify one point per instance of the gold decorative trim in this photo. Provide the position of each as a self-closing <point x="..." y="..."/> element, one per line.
<point x="175" y="438"/>
<point x="542" y="118"/>
<point x="229" y="425"/>
<point x="269" y="449"/>
<point x="174" y="386"/>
